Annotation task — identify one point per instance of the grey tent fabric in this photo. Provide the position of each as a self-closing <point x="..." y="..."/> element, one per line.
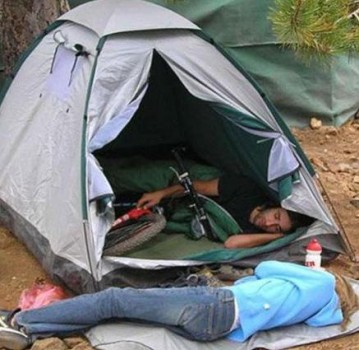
<point x="298" y="89"/>
<point x="124" y="336"/>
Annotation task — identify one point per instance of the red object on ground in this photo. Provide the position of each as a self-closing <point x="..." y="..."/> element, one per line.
<point x="137" y="212"/>
<point x="40" y="294"/>
<point x="314" y="246"/>
<point x="132" y="214"/>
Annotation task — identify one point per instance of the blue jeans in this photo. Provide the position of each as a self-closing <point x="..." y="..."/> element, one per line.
<point x="199" y="313"/>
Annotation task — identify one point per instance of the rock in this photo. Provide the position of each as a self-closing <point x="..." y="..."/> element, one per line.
<point x="356" y="179"/>
<point x="5" y="239"/>
<point x="330" y="177"/>
<point x="77" y="343"/>
<point x="344" y="168"/>
<point x="319" y="164"/>
<point x="355" y="202"/>
<point x="83" y="346"/>
<point x="49" y="343"/>
<point x="333" y="167"/>
<point x="315" y="123"/>
<point x="331" y="130"/>
<point x="353" y="187"/>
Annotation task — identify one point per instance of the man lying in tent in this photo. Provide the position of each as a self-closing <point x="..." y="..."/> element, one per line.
<point x="278" y="294"/>
<point x="260" y="219"/>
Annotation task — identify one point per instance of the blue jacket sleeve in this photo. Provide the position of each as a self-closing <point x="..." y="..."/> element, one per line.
<point x="330" y="314"/>
<point x="291" y="272"/>
<point x="317" y="284"/>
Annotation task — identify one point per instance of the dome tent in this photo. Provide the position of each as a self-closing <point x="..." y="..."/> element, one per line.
<point x="135" y="75"/>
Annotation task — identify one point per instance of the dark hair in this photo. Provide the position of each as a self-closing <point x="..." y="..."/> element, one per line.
<point x="299" y="220"/>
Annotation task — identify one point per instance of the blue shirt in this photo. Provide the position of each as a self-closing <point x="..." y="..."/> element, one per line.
<point x="283" y="294"/>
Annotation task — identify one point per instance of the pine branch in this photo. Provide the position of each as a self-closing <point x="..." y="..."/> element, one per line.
<point x="316" y="29"/>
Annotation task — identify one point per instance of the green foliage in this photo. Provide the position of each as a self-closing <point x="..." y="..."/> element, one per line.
<point x="317" y="28"/>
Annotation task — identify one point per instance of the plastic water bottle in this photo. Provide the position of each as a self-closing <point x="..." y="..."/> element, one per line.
<point x="313" y="257"/>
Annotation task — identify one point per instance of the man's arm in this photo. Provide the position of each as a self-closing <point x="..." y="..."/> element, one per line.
<point x="207" y="188"/>
<point x="250" y="240"/>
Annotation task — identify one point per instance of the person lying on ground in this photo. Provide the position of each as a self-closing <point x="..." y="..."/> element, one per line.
<point x="278" y="294"/>
<point x="248" y="205"/>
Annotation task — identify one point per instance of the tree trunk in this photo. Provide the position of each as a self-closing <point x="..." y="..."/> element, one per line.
<point x="22" y="21"/>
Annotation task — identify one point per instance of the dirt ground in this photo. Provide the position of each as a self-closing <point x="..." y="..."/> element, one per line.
<point x="334" y="153"/>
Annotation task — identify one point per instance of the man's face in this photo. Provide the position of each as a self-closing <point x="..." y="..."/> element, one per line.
<point x="271" y="219"/>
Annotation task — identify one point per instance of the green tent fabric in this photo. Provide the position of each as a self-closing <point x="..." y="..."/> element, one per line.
<point x="222" y="223"/>
<point x="138" y="174"/>
<point x="74" y="3"/>
<point x="236" y="254"/>
<point x="298" y="90"/>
